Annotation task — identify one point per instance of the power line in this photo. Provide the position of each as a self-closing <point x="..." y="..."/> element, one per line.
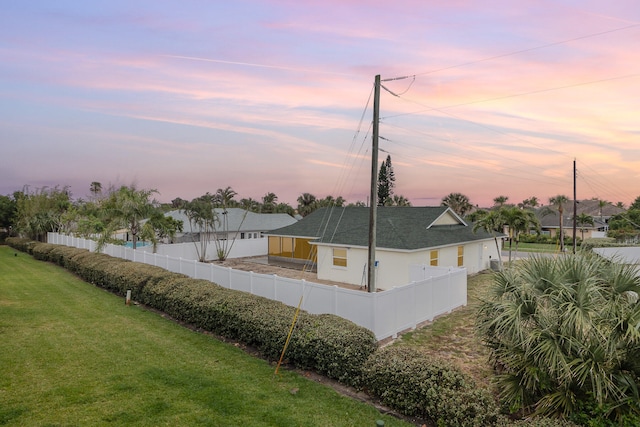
<point x="517" y="172"/>
<point x="428" y="108"/>
<point x="517" y="52"/>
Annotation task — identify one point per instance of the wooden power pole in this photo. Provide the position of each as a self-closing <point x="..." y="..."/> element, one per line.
<point x="373" y="204"/>
<point x="575" y="208"/>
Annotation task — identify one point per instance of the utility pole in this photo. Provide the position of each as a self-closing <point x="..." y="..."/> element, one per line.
<point x="575" y="208"/>
<point x="373" y="205"/>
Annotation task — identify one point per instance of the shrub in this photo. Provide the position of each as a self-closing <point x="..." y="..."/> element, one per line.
<point x="563" y="333"/>
<point x="337" y="347"/>
<point x="21" y="244"/>
<point x="535" y="422"/>
<point x="416" y="384"/>
<point x="606" y="242"/>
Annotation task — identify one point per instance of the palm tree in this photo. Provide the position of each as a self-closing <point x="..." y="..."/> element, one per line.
<point x="95" y="188"/>
<point x="500" y="201"/>
<point x="518" y="221"/>
<point x="158" y="227"/>
<point x="458" y="202"/>
<point x="530" y="203"/>
<point x="250" y="204"/>
<point x="127" y="207"/>
<point x="563" y="336"/>
<point x="601" y="204"/>
<point x="582" y="221"/>
<point x="306" y="204"/>
<point x="492" y="222"/>
<point x="224" y="198"/>
<point x="559" y="201"/>
<point x="269" y="202"/>
<point x="202" y="219"/>
<point x="400" y="200"/>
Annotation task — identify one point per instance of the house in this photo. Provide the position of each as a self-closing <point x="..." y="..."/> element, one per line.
<point x="233" y="223"/>
<point x="550" y="222"/>
<point x="335" y="242"/>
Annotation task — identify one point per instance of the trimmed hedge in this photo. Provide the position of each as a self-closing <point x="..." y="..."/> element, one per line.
<point x="416" y="384"/>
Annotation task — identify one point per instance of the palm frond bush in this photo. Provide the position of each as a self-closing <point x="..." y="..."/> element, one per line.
<point x="564" y="335"/>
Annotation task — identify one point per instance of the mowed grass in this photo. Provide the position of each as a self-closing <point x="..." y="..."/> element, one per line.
<point x="73" y="354"/>
<point x="538" y="247"/>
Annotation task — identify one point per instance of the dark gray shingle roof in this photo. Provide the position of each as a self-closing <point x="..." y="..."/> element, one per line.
<point x="406" y="228"/>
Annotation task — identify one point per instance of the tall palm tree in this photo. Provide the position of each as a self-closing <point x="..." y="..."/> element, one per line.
<point x="95" y="188"/>
<point x="582" y="221"/>
<point x="500" y="201"/>
<point x="559" y="202"/>
<point x="601" y="204"/>
<point x="530" y="203"/>
<point x="306" y="204"/>
<point x="269" y="202"/>
<point x="224" y="198"/>
<point x="518" y="221"/>
<point x="458" y="202"/>
<point x="250" y="204"/>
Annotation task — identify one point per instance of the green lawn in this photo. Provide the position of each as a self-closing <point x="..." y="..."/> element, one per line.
<point x="538" y="247"/>
<point x="73" y="354"/>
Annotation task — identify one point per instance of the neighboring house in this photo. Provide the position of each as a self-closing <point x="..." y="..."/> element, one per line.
<point x="550" y="226"/>
<point x="233" y="223"/>
<point x="335" y="241"/>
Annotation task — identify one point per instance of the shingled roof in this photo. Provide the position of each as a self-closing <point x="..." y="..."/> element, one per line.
<point x="403" y="228"/>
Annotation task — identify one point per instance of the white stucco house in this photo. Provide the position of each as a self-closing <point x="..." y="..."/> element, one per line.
<point x="334" y="242"/>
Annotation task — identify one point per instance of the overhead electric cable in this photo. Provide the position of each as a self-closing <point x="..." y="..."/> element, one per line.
<point x="517" y="52"/>
<point x="428" y="108"/>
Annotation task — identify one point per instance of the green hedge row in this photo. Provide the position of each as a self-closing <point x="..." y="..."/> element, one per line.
<point x="413" y="382"/>
<point x="405" y="379"/>
<point x="328" y="344"/>
<point x="419" y="385"/>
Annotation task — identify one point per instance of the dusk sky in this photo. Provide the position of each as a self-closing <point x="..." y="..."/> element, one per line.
<point x="276" y="96"/>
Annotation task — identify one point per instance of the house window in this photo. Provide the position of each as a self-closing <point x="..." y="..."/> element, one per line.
<point x="434" y="258"/>
<point x="242" y="235"/>
<point x="460" y="256"/>
<point x="339" y="257"/>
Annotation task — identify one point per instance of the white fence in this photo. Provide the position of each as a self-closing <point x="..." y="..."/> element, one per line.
<point x="385" y="313"/>
<point x="240" y="248"/>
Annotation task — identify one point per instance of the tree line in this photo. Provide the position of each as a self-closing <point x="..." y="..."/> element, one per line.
<point x="523" y="217"/>
<point x="33" y="213"/>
